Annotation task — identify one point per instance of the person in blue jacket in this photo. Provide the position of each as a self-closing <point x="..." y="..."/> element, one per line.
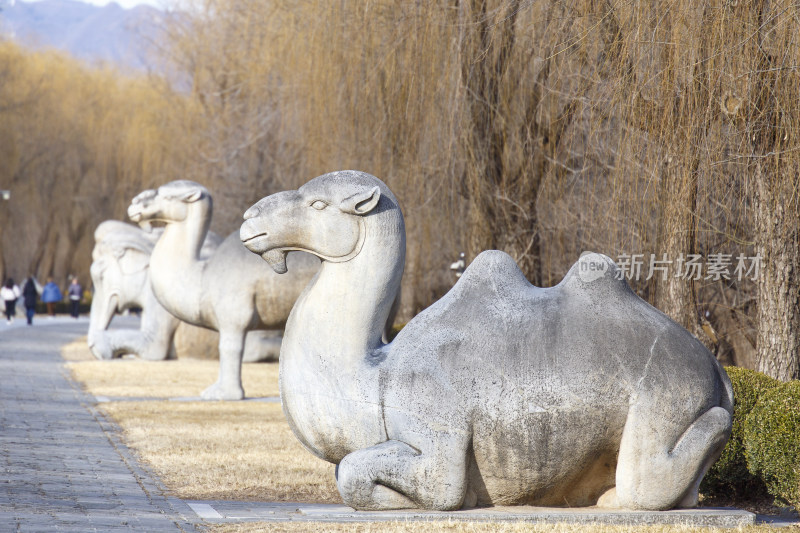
<point x="50" y="295"/>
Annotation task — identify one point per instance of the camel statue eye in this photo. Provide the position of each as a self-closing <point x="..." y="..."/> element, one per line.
<point x="319" y="205"/>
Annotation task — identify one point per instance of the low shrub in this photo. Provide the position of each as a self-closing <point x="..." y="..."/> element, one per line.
<point x="729" y="476"/>
<point x="772" y="442"/>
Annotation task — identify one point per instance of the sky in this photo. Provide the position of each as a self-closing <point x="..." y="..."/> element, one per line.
<point x="127" y="4"/>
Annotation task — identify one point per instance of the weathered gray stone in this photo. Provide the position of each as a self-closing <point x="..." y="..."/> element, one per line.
<point x="121" y="280"/>
<point x="231" y="292"/>
<point x="501" y="393"/>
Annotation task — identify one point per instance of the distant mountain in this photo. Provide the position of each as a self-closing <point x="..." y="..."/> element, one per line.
<point x="95" y="34"/>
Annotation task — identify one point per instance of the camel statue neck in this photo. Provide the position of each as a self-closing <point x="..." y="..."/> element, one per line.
<point x="176" y="262"/>
<point x="347" y="305"/>
<point x="185" y="239"/>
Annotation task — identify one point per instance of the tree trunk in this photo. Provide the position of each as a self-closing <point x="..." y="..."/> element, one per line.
<point x="502" y="187"/>
<point x="483" y="64"/>
<point x="778" y="234"/>
<point x="773" y="125"/>
<point x="674" y="293"/>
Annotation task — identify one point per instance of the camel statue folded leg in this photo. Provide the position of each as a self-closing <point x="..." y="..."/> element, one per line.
<point x="500" y="393"/>
<point x="231" y="291"/>
<point x="121" y="280"/>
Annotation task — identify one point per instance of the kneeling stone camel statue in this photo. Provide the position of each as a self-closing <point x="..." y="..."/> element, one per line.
<point x="499" y="393"/>
<point x="121" y="280"/>
<point x="232" y="291"/>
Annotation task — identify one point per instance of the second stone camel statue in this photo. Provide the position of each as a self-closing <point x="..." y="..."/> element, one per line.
<point x="231" y="291"/>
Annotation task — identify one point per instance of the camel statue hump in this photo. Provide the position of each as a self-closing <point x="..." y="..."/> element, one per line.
<point x="493" y="271"/>
<point x="596" y="276"/>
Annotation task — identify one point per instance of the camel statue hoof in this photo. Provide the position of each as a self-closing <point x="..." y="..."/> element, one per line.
<point x="609" y="499"/>
<point x="217" y="392"/>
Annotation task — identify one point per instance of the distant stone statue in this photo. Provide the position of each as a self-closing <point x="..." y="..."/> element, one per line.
<point x="120" y="277"/>
<point x="500" y="393"/>
<point x="231" y="291"/>
<point x="121" y="280"/>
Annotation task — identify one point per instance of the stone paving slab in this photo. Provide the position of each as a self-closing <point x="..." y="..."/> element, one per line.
<point x="62" y="464"/>
<point x="225" y="511"/>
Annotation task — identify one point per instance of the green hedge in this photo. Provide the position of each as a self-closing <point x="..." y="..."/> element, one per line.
<point x="729" y="476"/>
<point x="763" y="454"/>
<point x="772" y="442"/>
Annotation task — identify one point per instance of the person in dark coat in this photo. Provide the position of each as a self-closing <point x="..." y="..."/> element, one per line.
<point x="30" y="292"/>
<point x="75" y="293"/>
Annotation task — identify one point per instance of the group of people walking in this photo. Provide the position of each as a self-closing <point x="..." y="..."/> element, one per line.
<point x="50" y="294"/>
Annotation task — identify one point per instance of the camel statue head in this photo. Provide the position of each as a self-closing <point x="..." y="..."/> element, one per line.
<point x="170" y="203"/>
<point x="326" y="217"/>
<point x="119" y="274"/>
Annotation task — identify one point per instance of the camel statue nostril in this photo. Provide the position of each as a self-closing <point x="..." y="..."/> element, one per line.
<point x="251" y="213"/>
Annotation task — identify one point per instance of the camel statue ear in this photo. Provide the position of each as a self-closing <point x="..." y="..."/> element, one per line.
<point x="192" y="196"/>
<point x="362" y="202"/>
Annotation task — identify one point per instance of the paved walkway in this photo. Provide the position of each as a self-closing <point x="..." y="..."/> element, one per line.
<point x="62" y="465"/>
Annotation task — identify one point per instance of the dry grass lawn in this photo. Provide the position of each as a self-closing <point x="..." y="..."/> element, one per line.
<point x="77" y="351"/>
<point x="224" y="450"/>
<point x="206" y="450"/>
<point x="160" y="379"/>
<point x="459" y="527"/>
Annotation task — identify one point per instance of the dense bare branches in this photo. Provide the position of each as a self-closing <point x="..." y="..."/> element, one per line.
<point x="540" y="127"/>
<point x="75" y="145"/>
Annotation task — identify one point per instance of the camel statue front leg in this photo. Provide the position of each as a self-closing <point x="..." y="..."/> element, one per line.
<point x="395" y="475"/>
<point x="229" y="383"/>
